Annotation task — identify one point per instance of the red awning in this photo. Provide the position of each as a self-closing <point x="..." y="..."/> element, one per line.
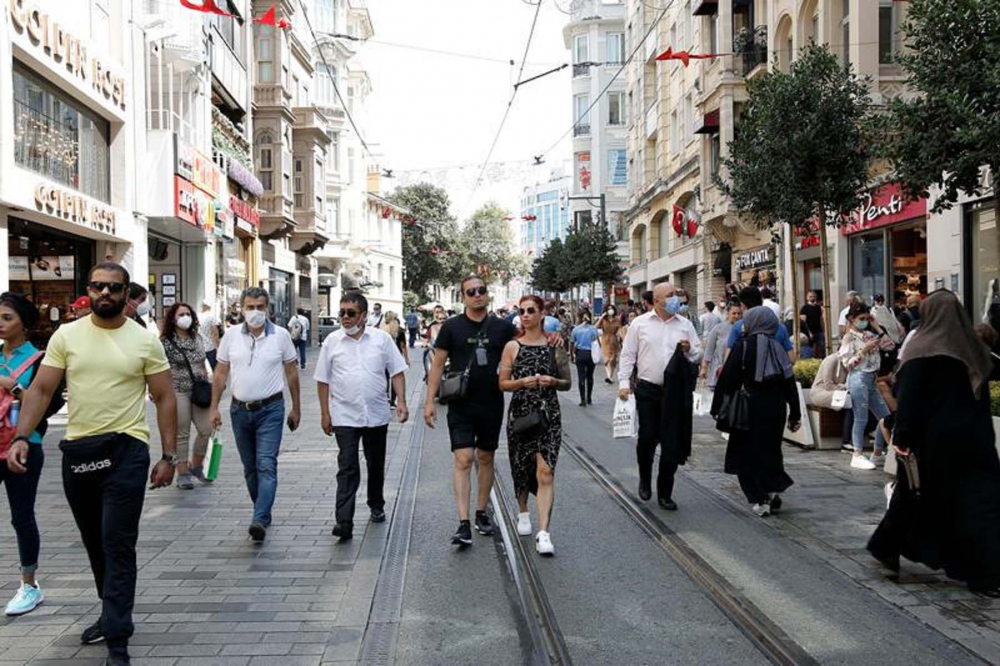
<point x="705" y="7"/>
<point x="709" y="124"/>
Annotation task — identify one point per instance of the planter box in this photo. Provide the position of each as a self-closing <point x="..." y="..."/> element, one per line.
<point x="828" y="424"/>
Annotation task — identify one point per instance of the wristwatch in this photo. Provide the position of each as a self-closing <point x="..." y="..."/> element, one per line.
<point x="170" y="458"/>
<point x="17" y="390"/>
<point x="19" y="438"/>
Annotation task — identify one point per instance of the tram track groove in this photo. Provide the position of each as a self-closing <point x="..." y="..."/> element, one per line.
<point x="772" y="641"/>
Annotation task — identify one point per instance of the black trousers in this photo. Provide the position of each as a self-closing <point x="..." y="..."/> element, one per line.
<point x="647" y="405"/>
<point x="106" y="504"/>
<point x="585" y="372"/>
<point x="349" y="468"/>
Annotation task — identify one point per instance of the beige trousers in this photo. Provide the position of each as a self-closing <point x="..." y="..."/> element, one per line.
<point x="186" y="415"/>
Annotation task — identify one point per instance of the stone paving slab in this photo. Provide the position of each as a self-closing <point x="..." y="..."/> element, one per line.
<point x="206" y="594"/>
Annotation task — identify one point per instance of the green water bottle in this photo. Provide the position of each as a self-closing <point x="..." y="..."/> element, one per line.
<point x="214" y="457"/>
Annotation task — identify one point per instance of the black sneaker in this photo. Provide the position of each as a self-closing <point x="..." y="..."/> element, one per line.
<point x="483" y="524"/>
<point x="344" y="531"/>
<point x="462" y="536"/>
<point x="92" y="634"/>
<point x="118" y="660"/>
<point x="775" y="502"/>
<point x="257" y="531"/>
<point x="667" y="504"/>
<point x="378" y="516"/>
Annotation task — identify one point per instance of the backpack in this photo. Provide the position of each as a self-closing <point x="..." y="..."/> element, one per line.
<point x="8" y="429"/>
<point x="295" y="328"/>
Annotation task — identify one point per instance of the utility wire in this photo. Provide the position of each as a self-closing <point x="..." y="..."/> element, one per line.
<point x="621" y="69"/>
<point x="333" y="81"/>
<point x="510" y="103"/>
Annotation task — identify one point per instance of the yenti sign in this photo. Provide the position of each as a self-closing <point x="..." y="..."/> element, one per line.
<point x="884" y="207"/>
<point x="59" y="45"/>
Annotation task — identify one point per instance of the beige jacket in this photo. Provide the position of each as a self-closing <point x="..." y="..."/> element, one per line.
<point x="832" y="376"/>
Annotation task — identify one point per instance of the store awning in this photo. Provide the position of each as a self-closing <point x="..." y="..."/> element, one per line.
<point x="709" y="124"/>
<point x="705" y="7"/>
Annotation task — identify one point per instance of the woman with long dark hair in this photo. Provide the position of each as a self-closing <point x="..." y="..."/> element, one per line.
<point x="953" y="521"/>
<point x="534" y="371"/>
<point x="186" y="354"/>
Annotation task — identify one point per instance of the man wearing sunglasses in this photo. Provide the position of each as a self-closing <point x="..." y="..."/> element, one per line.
<point x="350" y="380"/>
<point x="262" y="359"/>
<point x="109" y="363"/>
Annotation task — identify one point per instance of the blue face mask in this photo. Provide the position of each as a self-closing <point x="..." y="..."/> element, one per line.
<point x="673" y="305"/>
<point x="862" y="325"/>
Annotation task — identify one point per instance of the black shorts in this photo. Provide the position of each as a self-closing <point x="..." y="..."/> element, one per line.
<point x="475" y="427"/>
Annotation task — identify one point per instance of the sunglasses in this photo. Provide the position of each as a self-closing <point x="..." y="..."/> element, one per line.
<point x="476" y="291"/>
<point x="350" y="314"/>
<point x="529" y="311"/>
<point x="113" y="287"/>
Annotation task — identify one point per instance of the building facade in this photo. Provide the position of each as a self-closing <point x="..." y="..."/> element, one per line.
<point x="545" y="213"/>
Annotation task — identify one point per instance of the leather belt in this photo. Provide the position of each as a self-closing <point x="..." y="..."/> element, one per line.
<point x="254" y="405"/>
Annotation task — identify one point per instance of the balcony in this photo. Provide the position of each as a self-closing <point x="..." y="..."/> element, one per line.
<point x="272" y="95"/>
<point x="582" y="129"/>
<point x="309" y="234"/>
<point x="750" y="48"/>
<point x="276" y="216"/>
<point x="310" y="123"/>
<point x="228" y="139"/>
<point x="582" y="69"/>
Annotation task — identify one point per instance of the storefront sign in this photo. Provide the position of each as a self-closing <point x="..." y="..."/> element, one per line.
<point x="758" y="257"/>
<point x="236" y="268"/>
<point x="204" y="211"/>
<point x="75" y="208"/>
<point x="48" y="36"/>
<point x="205" y="175"/>
<point x="884" y="207"/>
<point x="185" y="202"/>
<point x="42" y="268"/>
<point x="244" y="226"/>
<point x="583" y="171"/>
<point x="244" y="210"/>
<point x="184" y="156"/>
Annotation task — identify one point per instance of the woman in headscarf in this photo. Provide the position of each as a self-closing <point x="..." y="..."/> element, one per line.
<point x="952" y="521"/>
<point x="759" y="363"/>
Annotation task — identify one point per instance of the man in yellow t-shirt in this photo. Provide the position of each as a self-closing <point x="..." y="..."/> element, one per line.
<point x="109" y="363"/>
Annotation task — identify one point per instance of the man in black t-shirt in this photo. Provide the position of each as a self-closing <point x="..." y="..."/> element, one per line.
<point x="811" y="316"/>
<point x="471" y="340"/>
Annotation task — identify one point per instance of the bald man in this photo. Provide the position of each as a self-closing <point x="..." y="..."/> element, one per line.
<point x="649" y="347"/>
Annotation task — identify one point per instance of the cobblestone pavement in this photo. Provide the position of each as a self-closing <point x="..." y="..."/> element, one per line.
<point x="206" y="594"/>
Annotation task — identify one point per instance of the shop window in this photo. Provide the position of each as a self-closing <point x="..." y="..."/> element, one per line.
<point x="985" y="250"/>
<point x="868" y="264"/>
<point x="909" y="262"/>
<point x="58" y="138"/>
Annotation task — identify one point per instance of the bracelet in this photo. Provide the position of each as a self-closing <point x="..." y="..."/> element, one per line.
<point x="20" y="438"/>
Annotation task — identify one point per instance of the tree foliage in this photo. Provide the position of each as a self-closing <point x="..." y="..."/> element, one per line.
<point x="487" y="244"/>
<point x="588" y="255"/>
<point x="431" y="248"/>
<point x="945" y="136"/>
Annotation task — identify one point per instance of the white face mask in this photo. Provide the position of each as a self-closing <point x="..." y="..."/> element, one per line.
<point x="255" y="318"/>
<point x="184" y="322"/>
<point x="143" y="309"/>
<point x="353" y="330"/>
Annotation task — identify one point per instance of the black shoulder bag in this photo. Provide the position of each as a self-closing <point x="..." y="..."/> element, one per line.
<point x="201" y="390"/>
<point x="535" y="421"/>
<point x="455" y="385"/>
<point x="734" y="412"/>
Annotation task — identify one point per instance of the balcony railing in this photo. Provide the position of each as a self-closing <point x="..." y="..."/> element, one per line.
<point x="581" y="69"/>
<point x="750" y="47"/>
<point x="583" y="129"/>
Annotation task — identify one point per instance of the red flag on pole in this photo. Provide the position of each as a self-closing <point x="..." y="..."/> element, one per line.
<point x="678" y="220"/>
<point x="207" y="6"/>
<point x="270" y="18"/>
<point x="686" y="57"/>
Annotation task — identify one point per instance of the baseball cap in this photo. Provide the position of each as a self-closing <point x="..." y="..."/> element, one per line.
<point x="82" y="302"/>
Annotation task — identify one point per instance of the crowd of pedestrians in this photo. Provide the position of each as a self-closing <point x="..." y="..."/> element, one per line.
<point x="107" y="362"/>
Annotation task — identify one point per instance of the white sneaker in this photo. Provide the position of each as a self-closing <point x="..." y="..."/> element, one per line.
<point x="524" y="524"/>
<point x="761" y="510"/>
<point x="543" y="544"/>
<point x="858" y="461"/>
<point x="890" y="488"/>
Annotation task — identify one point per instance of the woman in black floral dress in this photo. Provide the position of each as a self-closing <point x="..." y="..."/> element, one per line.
<point x="534" y="371"/>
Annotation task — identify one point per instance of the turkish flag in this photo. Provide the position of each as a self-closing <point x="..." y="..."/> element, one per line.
<point x="207" y="6"/>
<point x="270" y="18"/>
<point x="678" y="220"/>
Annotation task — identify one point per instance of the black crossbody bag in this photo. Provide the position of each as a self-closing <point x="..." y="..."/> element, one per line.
<point x="455" y="385"/>
<point x="537" y="420"/>
<point x="201" y="390"/>
<point x="734" y="412"/>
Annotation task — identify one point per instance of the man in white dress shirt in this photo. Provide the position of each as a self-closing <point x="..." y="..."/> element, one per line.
<point x="262" y="359"/>
<point x="350" y="379"/>
<point x="649" y="347"/>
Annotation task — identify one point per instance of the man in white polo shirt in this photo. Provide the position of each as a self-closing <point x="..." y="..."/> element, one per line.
<point x="350" y="379"/>
<point x="261" y="358"/>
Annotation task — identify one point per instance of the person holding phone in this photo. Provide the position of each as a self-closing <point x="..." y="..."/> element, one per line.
<point x="262" y="360"/>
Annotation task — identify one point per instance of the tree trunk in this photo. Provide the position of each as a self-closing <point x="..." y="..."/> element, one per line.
<point x="825" y="265"/>
<point x="796" y="325"/>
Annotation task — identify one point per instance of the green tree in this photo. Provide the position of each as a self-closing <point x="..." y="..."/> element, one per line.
<point x="488" y="245"/>
<point x="802" y="151"/>
<point x="946" y="135"/>
<point x="549" y="272"/>
<point x="431" y="251"/>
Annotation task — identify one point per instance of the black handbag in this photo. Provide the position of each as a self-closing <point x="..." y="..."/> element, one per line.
<point x="201" y="390"/>
<point x="734" y="412"/>
<point x="536" y="420"/>
<point x="455" y="385"/>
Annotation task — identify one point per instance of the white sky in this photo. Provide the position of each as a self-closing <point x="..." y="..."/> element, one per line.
<point x="429" y="111"/>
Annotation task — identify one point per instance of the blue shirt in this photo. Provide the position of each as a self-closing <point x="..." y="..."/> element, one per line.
<point x="551" y="325"/>
<point x="781" y="337"/>
<point x="8" y="367"/>
<point x="584" y="336"/>
<point x="412" y="321"/>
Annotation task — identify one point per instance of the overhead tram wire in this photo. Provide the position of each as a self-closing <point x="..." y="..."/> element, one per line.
<point x="510" y="103"/>
<point x="333" y="81"/>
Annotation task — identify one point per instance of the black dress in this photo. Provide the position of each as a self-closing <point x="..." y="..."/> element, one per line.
<point x="533" y="360"/>
<point x="954" y="524"/>
<point x="755" y="456"/>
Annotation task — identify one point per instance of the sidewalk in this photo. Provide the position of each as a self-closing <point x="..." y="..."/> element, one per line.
<point x="206" y="594"/>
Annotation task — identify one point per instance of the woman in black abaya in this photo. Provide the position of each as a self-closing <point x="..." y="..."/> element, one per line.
<point x="760" y="363"/>
<point x="943" y="419"/>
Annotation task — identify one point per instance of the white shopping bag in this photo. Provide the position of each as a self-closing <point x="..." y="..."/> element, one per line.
<point x="595" y="353"/>
<point x="625" y="422"/>
<point x="703" y="402"/>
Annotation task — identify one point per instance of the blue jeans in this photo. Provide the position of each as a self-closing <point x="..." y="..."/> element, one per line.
<point x="301" y="346"/>
<point x="258" y="438"/>
<point x="864" y="397"/>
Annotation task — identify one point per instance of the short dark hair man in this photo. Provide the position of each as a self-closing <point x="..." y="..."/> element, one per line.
<point x="354" y="406"/>
<point x="262" y="360"/>
<point x="647" y="300"/>
<point x="376" y="317"/>
<point x="298" y="330"/>
<point x="109" y="363"/>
